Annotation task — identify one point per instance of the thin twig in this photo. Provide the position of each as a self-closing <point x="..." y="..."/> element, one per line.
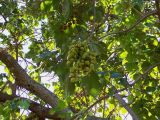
<point x="104" y="107"/>
<point x="91" y="106"/>
<point x="132" y="27"/>
<point x="125" y="105"/>
<point x="145" y="73"/>
<point x="94" y="20"/>
<point x="4" y="86"/>
<point x="111" y="112"/>
<point x="21" y="115"/>
<point x="141" y="76"/>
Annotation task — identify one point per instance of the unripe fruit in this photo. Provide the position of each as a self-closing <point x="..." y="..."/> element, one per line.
<point x="68" y="62"/>
<point x="92" y="66"/>
<point x="80" y="59"/>
<point x="71" y="75"/>
<point x="70" y="59"/>
<point x="71" y="70"/>
<point x="86" y="69"/>
<point x="87" y="62"/>
<point x="73" y="79"/>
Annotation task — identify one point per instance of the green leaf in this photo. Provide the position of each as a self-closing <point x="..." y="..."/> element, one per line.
<point x="123" y="54"/>
<point x="130" y="98"/>
<point x="42" y="6"/>
<point x="91" y="83"/>
<point x="24" y="104"/>
<point x="61" y="106"/>
<point x="124" y="82"/>
<point x="115" y="75"/>
<point x="150" y="89"/>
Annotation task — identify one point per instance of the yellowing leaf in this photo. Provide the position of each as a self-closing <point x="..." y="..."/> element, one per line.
<point x="9" y="91"/>
<point x="155" y="43"/>
<point x="123" y="111"/>
<point x="42" y="6"/>
<point x="123" y="54"/>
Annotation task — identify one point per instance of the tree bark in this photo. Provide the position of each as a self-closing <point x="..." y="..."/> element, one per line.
<point x="39" y="110"/>
<point x="24" y="80"/>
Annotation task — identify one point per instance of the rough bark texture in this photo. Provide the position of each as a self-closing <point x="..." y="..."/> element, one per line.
<point x="25" y="81"/>
<point x="36" y="108"/>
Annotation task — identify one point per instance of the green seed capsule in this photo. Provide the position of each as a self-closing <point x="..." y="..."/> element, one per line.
<point x="73" y="79"/>
<point x="92" y="66"/>
<point x="87" y="62"/>
<point x="72" y="74"/>
<point x="69" y="62"/>
<point x="86" y="69"/>
<point x="71" y="70"/>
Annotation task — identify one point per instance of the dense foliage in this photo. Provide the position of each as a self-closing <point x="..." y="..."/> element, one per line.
<point x="99" y="58"/>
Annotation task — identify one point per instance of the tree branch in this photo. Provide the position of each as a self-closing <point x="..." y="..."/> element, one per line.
<point x="132" y="27"/>
<point x="158" y="8"/>
<point x="25" y="81"/>
<point x="145" y="73"/>
<point x="125" y="105"/>
<point x="36" y="108"/>
<point x="96" y="102"/>
<point x="118" y="97"/>
<point x="5" y="85"/>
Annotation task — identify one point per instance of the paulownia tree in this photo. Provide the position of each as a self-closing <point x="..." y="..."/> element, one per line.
<point x="80" y="59"/>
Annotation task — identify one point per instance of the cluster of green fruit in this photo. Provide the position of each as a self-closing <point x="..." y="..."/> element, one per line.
<point x="81" y="60"/>
<point x="68" y="24"/>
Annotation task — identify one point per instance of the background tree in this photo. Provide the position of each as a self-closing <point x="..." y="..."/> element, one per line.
<point x="80" y="59"/>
